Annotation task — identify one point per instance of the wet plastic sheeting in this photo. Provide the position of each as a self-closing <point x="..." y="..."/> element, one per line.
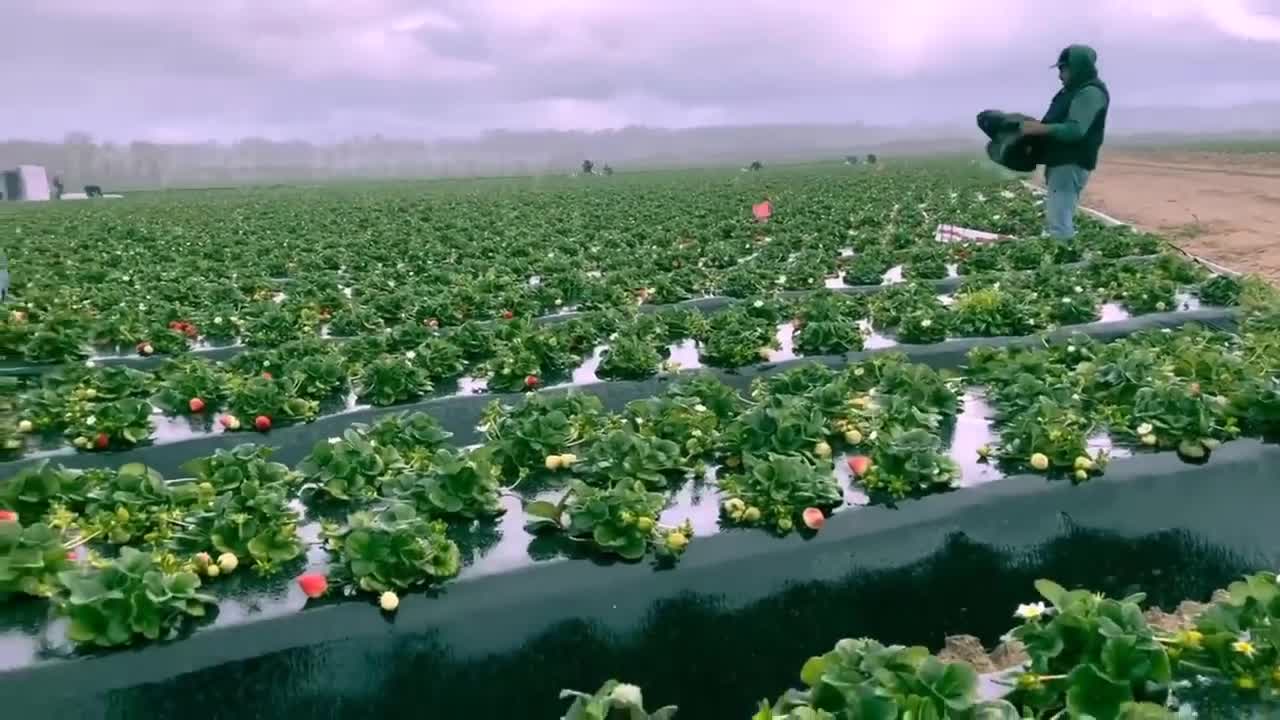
<point x="733" y="622"/>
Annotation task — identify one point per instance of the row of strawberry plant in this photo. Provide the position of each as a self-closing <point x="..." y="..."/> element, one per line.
<point x="101" y="408"/>
<point x="1088" y="656"/>
<point x="1188" y="390"/>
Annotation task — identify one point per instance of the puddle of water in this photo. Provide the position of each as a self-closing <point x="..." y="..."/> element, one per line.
<point x="853" y="495"/>
<point x="586" y="372"/>
<point x="846" y="252"/>
<point x="946" y="300"/>
<point x="874" y="340"/>
<point x="893" y="275"/>
<point x="181" y="427"/>
<point x="835" y="283"/>
<point x="972" y="431"/>
<point x="697" y="501"/>
<point x="1102" y="442"/>
<point x="1185" y="301"/>
<point x="953" y="270"/>
<point x="1113" y="312"/>
<point x="685" y="355"/>
<point x="512" y="547"/>
<point x="472" y="385"/>
<point x="786" y="340"/>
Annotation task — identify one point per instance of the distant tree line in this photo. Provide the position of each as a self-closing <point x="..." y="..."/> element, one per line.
<point x="79" y="160"/>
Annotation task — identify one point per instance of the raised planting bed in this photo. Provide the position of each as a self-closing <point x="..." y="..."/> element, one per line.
<point x="729" y="626"/>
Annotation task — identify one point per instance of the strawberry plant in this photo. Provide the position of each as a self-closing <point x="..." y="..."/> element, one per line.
<point x="653" y="461"/>
<point x="390" y="380"/>
<point x="31" y="557"/>
<point x="613" y="699"/>
<point x="37" y="489"/>
<point x="630" y="357"/>
<point x="908" y="463"/>
<point x="691" y="426"/>
<point x="268" y="397"/>
<point x="992" y="312"/>
<point x="735" y="339"/>
<point x="453" y="484"/>
<point x="1091" y="656"/>
<point x="348" y="468"/>
<point x="130" y="598"/>
<point x="864" y="679"/>
<point x="121" y="423"/>
<point x="1220" y="290"/>
<point x="252" y="521"/>
<point x="523" y="437"/>
<point x="924" y="327"/>
<point x="390" y="549"/>
<point x="184" y="380"/>
<point x="417" y="436"/>
<point x="620" y="520"/>
<point x="772" y="490"/>
<point x="438" y="358"/>
<point x="1180" y="415"/>
<point x="227" y="470"/>
<point x="778" y="424"/>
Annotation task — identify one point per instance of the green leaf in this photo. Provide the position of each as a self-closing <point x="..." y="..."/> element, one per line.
<point x="811" y="673"/>
<point x="1090" y="693"/>
<point x="1051" y="591"/>
<point x="543" y="509"/>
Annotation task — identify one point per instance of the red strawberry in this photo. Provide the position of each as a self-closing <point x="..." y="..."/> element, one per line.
<point x="859" y="464"/>
<point x="196" y="404"/>
<point x="71" y="555"/>
<point x="507" y="314"/>
<point x="102" y="441"/>
<point x="313" y="584"/>
<point x="813" y="518"/>
<point x="531" y="381"/>
<point x="262" y="423"/>
<point x="8" y="516"/>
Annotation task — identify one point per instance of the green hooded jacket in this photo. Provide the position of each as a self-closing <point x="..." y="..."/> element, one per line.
<point x="1077" y="117"/>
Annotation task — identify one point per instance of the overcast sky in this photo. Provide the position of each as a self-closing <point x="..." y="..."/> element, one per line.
<point x="325" y="69"/>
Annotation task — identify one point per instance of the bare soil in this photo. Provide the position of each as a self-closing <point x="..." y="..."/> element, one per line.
<point x="1224" y="207"/>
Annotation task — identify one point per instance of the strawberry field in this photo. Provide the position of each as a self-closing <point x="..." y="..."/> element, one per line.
<point x="223" y="408"/>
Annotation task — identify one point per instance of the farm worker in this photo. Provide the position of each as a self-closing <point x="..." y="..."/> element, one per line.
<point x="1073" y="131"/>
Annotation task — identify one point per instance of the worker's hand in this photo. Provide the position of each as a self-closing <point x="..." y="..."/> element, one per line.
<point x="1034" y="127"/>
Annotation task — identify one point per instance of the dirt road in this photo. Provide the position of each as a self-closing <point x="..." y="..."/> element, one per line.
<point x="1222" y="206"/>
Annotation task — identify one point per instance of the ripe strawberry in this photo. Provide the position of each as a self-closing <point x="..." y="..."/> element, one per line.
<point x="262" y="423"/>
<point x="102" y="441"/>
<point x="313" y="584"/>
<point x="813" y="518"/>
<point x="196" y="404"/>
<point x="859" y="465"/>
<point x="532" y="381"/>
<point x="507" y="314"/>
<point x="8" y="516"/>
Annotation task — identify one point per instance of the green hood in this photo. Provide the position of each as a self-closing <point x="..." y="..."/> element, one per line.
<point x="1081" y="60"/>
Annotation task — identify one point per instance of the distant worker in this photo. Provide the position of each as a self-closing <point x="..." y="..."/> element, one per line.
<point x="1073" y="131"/>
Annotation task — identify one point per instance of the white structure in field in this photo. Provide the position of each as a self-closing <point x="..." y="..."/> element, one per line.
<point x="28" y="182"/>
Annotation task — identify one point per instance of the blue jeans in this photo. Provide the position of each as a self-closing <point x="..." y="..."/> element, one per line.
<point x="1063" y="185"/>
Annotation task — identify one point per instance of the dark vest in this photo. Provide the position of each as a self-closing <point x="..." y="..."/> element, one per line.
<point x="1084" y="152"/>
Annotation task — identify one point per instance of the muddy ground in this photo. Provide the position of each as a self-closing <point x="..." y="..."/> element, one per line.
<point x="1224" y="207"/>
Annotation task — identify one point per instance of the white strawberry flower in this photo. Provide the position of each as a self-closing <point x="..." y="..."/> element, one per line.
<point x="1031" y="611"/>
